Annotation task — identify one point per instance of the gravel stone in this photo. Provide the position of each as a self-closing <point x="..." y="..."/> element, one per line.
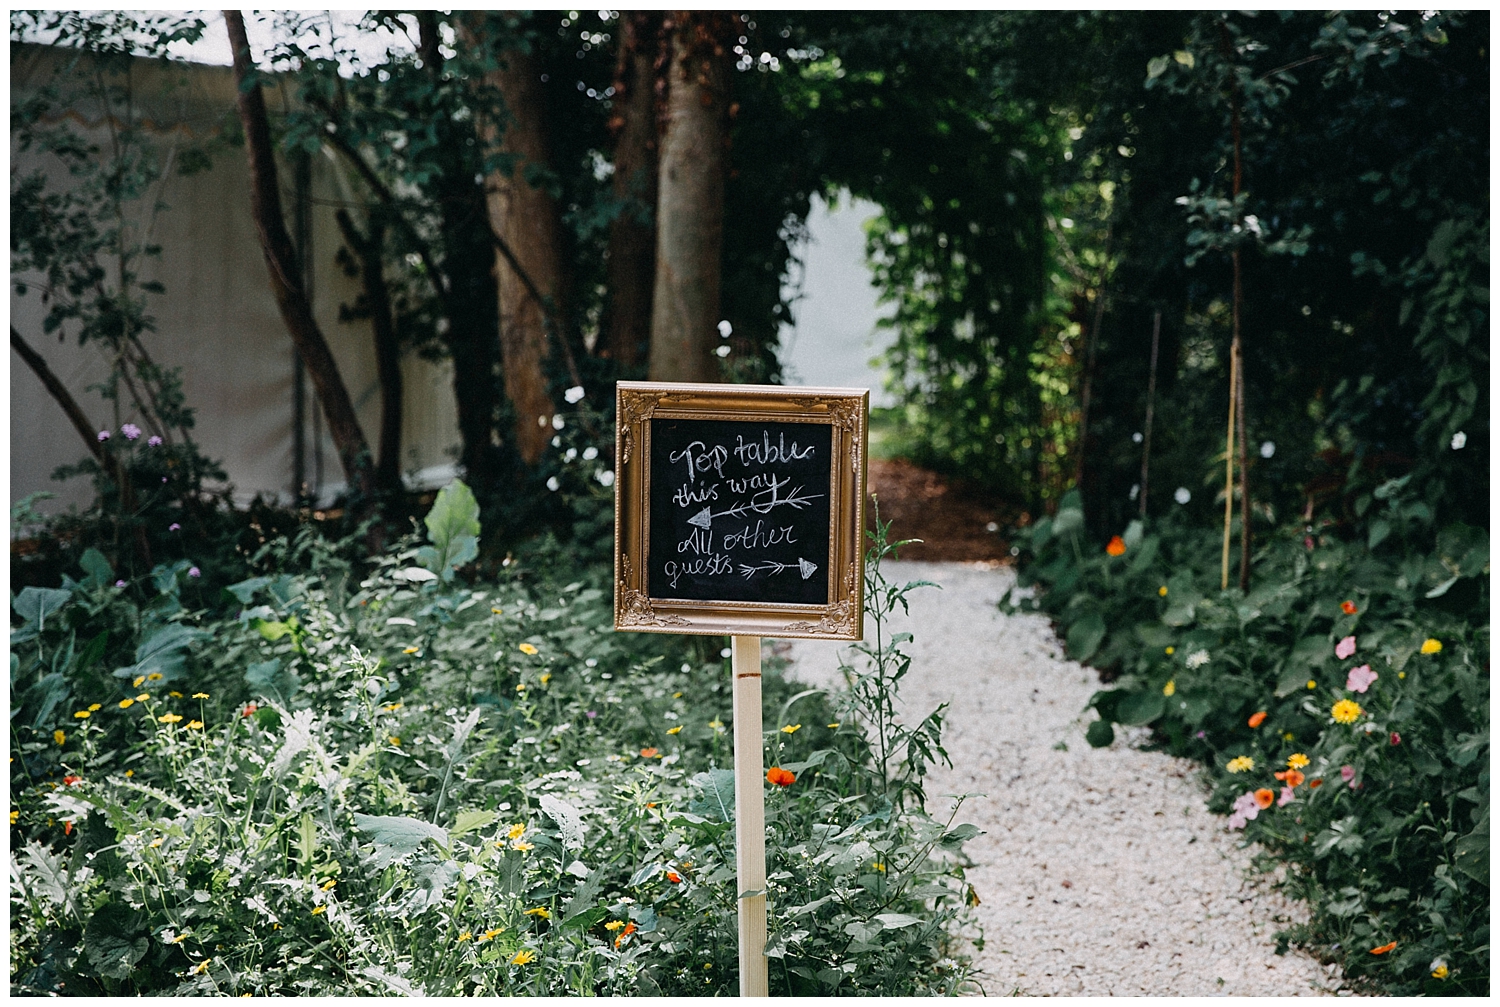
<point x="1101" y="871"/>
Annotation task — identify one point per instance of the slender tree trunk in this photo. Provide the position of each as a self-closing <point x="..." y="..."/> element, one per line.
<point x="526" y="219"/>
<point x="1150" y="412"/>
<point x="632" y="234"/>
<point x="690" y="201"/>
<point x="369" y="250"/>
<point x="1238" y="350"/>
<point x="281" y="261"/>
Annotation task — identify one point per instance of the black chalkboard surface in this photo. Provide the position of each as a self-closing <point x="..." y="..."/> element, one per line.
<point x="740" y="510"/>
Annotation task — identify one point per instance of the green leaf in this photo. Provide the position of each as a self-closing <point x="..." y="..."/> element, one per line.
<point x="93" y="563"/>
<point x="267" y="678"/>
<point x="957" y="836"/>
<point x="470" y="821"/>
<point x="396" y="836"/>
<point x="162" y="652"/>
<point x="717" y="789"/>
<point x="113" y="942"/>
<point x="1085" y="635"/>
<point x="895" y="921"/>
<point x="1138" y="708"/>
<point x="34" y="604"/>
<point x="1471" y="854"/>
<point x="245" y="589"/>
<point x="1101" y="734"/>
<point x="453" y="530"/>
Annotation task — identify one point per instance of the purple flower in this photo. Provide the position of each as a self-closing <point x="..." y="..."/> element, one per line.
<point x="194" y="572"/>
<point x="1201" y="735"/>
<point x="154" y="441"/>
<point x="119" y="583"/>
<point x="591" y="714"/>
<point x="1287" y="795"/>
<point x="131" y="431"/>
<point x="1344" y="648"/>
<point x="103" y="436"/>
<point x="1360" y="678"/>
<point x="174" y="526"/>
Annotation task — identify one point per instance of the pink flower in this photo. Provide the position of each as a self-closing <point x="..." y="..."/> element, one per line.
<point x="1347" y="772"/>
<point x="1360" y="678"/>
<point x="154" y="441"/>
<point x="1307" y="540"/>
<point x="1344" y="648"/>
<point x="102" y="436"/>
<point x="1395" y="738"/>
<point x="131" y="431"/>
<point x="1245" y="810"/>
<point x="194" y="572"/>
<point x="1287" y="794"/>
<point x="174" y="526"/>
<point x="119" y="583"/>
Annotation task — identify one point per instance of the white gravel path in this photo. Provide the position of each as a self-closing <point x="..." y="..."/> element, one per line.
<point x="1100" y="870"/>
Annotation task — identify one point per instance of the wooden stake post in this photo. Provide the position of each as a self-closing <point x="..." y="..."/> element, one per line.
<point x="739" y="511"/>
<point x="750" y="817"/>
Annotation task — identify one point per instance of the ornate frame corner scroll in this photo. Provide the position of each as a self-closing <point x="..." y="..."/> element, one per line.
<point x="845" y="410"/>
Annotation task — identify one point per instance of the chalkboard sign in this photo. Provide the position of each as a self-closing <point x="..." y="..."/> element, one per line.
<point x="739" y="509"/>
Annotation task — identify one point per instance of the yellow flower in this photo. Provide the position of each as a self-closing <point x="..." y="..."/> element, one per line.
<point x="155" y="676"/>
<point x="143" y="697"/>
<point x="546" y="677"/>
<point x="83" y="714"/>
<point x="527" y="649"/>
<point x="94" y="706"/>
<point x="1400" y="674"/>
<point x="202" y="968"/>
<point x="676" y="695"/>
<point x="175" y="694"/>
<point x="156" y="842"/>
<point x="464" y="936"/>
<point x="497" y="611"/>
<point x="539" y="911"/>
<point x="516" y="832"/>
<point x="59" y="737"/>
<point x="1240" y="764"/>
<point x="520" y="686"/>
<point x="410" y="650"/>
<point x="392" y="707"/>
<point x="1346" y="711"/>
<point x="791" y="729"/>
<point x="330" y="883"/>
<point x="1311" y="684"/>
<point x="835" y="725"/>
<point x="1162" y="590"/>
<point x="1432" y="645"/>
<point x="394" y="740"/>
<point x="614" y="924"/>
<point x="14" y="815"/>
<point x="138" y="680"/>
<point x="200" y="695"/>
<point x="1288" y="736"/>
<point x="126" y="703"/>
<point x="169" y="718"/>
<point x="129" y="773"/>
<point x="1297" y="760"/>
<point x="319" y="909"/>
<point x="489" y="935"/>
<point x="524" y="957"/>
<point x="1171" y="651"/>
<point x="179" y="938"/>
<point x="195" y="725"/>
<point x="675" y="730"/>
<point x="1441" y="971"/>
<point x="879" y="867"/>
<point x="523" y="847"/>
<point x="1169" y="688"/>
<point x="716" y="724"/>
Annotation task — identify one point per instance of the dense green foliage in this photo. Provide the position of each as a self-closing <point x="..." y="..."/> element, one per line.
<point x="401" y="781"/>
<point x="1389" y="831"/>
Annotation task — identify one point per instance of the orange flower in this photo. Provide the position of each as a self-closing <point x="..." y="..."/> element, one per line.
<point x="1291" y="777"/>
<point x="649" y="753"/>
<point x="1116" y="546"/>
<point x="1383" y="948"/>
<point x="1349" y="607"/>
<point x="1265" y="797"/>
<point x="1315" y="784"/>
<point x="780" y="777"/>
<point x="1257" y="719"/>
<point x="674" y="877"/>
<point x="630" y="928"/>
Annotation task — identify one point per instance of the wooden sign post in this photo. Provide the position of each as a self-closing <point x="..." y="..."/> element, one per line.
<point x="739" y="511"/>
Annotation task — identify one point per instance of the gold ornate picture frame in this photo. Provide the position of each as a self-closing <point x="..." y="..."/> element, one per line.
<point x="731" y="480"/>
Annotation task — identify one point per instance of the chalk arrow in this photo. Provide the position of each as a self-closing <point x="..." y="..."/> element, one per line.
<point x="808" y="569"/>
<point x="702" y="519"/>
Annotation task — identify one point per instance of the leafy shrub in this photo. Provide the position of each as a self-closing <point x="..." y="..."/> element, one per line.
<point x="402" y="782"/>
<point x="1342" y="707"/>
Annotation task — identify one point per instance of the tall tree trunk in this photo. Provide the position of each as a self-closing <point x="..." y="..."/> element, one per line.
<point x="526" y="219"/>
<point x="281" y="261"/>
<point x="369" y="250"/>
<point x="690" y="202"/>
<point x="632" y="234"/>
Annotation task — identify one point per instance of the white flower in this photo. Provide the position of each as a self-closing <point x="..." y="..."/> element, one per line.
<point x="590" y="453"/>
<point x="1135" y="490"/>
<point x="558" y="422"/>
<point x="1137" y="437"/>
<point x="606" y="477"/>
<point x="725" y="329"/>
<point x="1459" y="440"/>
<point x="574" y="394"/>
<point x="1197" y="659"/>
<point x="1267" y="448"/>
<point x="570" y="454"/>
<point x="553" y="484"/>
<point x="722" y="351"/>
<point x="1181" y="495"/>
<point x="726" y="652"/>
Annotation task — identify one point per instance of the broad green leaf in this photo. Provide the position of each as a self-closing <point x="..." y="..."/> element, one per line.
<point x="1101" y="734"/>
<point x="895" y="921"/>
<point x="269" y="679"/>
<point x="396" y="836"/>
<point x="93" y="563"/>
<point x="1138" y="708"/>
<point x="34" y="604"/>
<point x="1085" y="635"/>
<point x="1471" y="854"/>
<point x="470" y="821"/>
<point x="245" y="589"/>
<point x="452" y="529"/>
<point x="113" y="941"/>
<point x="717" y="789"/>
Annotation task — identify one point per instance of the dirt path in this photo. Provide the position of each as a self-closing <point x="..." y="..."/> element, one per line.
<point x="1100" y="870"/>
